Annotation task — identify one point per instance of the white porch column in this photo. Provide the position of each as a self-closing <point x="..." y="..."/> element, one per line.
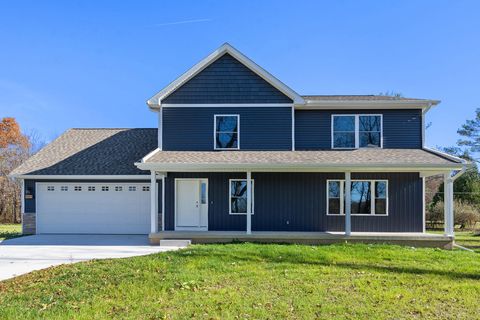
<point x="348" y="207"/>
<point x="448" y="204"/>
<point x="153" y="202"/>
<point x="249" y="202"/>
<point x="163" y="203"/>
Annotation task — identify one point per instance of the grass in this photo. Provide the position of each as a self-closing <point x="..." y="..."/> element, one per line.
<point x="467" y="239"/>
<point x="8" y="231"/>
<point x="253" y="281"/>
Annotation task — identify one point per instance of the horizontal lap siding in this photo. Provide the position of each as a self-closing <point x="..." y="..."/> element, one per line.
<point x="226" y="81"/>
<point x="261" y="128"/>
<point x="401" y="128"/>
<point x="297" y="202"/>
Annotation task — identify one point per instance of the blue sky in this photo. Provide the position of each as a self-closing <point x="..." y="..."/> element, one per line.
<point x="70" y="64"/>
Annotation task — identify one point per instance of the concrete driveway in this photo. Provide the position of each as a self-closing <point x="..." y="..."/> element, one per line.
<point x="25" y="254"/>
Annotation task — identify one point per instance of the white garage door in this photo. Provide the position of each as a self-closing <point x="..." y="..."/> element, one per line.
<point x="97" y="208"/>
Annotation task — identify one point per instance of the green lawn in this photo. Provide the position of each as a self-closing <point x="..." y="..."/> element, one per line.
<point x="8" y="231"/>
<point x="466" y="239"/>
<point x="251" y="281"/>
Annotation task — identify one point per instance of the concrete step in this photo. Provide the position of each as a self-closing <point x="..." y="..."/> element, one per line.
<point x="175" y="243"/>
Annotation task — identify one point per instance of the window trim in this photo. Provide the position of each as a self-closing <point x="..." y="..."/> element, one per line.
<point x="230" y="197"/>
<point x="215" y="131"/>
<point x="357" y="129"/>
<point x="372" y="198"/>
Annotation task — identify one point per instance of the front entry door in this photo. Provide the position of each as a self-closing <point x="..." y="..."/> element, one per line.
<point x="191" y="204"/>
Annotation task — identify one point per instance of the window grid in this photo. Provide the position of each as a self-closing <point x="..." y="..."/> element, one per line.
<point x="356" y="130"/>
<point x="105" y="188"/>
<point x="77" y="188"/>
<point x="91" y="188"/>
<point x="146" y="188"/>
<point x="64" y="188"/>
<point x="118" y="188"/>
<point x="132" y="188"/>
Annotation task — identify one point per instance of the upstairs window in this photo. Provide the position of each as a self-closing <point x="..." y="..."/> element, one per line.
<point x="227" y="132"/>
<point x="356" y="131"/>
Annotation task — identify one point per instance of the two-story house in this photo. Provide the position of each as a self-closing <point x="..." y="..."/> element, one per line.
<point x="239" y="155"/>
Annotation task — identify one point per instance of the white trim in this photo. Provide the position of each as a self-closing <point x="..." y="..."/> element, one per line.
<point x="348" y="198"/>
<point x="357" y="129"/>
<point x="230" y="197"/>
<point x="163" y="203"/>
<point x="175" y="206"/>
<point x="150" y="154"/>
<point x="293" y="128"/>
<point x="424" y="227"/>
<point x="160" y="129"/>
<point x="227" y="105"/>
<point x="249" y="202"/>
<point x="445" y="155"/>
<point x="22" y="198"/>
<point x="156" y="100"/>
<point x="367" y="104"/>
<point x="372" y="198"/>
<point x="153" y="202"/>
<point x="215" y="131"/>
<point x="84" y="177"/>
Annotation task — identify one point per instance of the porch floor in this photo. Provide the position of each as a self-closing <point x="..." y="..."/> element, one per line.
<point x="409" y="239"/>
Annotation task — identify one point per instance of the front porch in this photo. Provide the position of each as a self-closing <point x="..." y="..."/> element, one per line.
<point x="400" y="238"/>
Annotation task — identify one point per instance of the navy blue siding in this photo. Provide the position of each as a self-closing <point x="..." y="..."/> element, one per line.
<point x="401" y="128"/>
<point x="30" y="205"/>
<point x="297" y="202"/>
<point x="261" y="128"/>
<point x="226" y="81"/>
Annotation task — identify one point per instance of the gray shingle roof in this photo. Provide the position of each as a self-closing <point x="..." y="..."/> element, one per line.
<point x="92" y="152"/>
<point x="367" y="157"/>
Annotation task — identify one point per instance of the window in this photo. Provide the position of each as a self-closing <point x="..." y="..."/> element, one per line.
<point x="146" y="188"/>
<point x="105" y="188"/>
<point x="64" y="188"/>
<point x="203" y="193"/>
<point x="227" y="132"/>
<point x="238" y="196"/>
<point x="50" y="188"/>
<point x="118" y="188"/>
<point x="91" y="188"/>
<point x="356" y="131"/>
<point x="77" y="188"/>
<point x="132" y="188"/>
<point x="364" y="200"/>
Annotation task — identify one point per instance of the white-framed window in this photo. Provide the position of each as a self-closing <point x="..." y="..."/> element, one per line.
<point x="146" y="188"/>
<point x="132" y="188"/>
<point x="118" y="188"/>
<point x="77" y="188"/>
<point x="368" y="197"/>
<point x="353" y="131"/>
<point x="237" y="196"/>
<point x="105" y="188"/>
<point x="64" y="188"/>
<point x="50" y="188"/>
<point x="91" y="188"/>
<point x="226" y="132"/>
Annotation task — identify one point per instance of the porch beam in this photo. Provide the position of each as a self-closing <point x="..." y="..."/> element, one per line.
<point x="448" y="204"/>
<point x="348" y="207"/>
<point x="249" y="202"/>
<point x="153" y="202"/>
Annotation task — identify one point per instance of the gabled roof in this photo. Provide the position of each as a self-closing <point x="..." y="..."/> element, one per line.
<point x="156" y="100"/>
<point x="92" y="152"/>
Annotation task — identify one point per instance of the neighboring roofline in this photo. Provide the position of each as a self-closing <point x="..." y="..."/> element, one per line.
<point x="367" y="104"/>
<point x="294" y="167"/>
<point x="81" y="177"/>
<point x="155" y="102"/>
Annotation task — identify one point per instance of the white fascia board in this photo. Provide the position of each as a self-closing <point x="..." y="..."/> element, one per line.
<point x="226" y="105"/>
<point x="296" y="167"/>
<point x="150" y="154"/>
<point x="156" y="100"/>
<point x="367" y="104"/>
<point x="83" y="177"/>
<point x="445" y="155"/>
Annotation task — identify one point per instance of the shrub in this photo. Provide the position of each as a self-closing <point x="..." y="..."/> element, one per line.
<point x="465" y="214"/>
<point x="434" y="214"/>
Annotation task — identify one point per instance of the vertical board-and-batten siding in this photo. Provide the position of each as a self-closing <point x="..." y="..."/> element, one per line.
<point x="297" y="202"/>
<point x="402" y="129"/>
<point x="226" y="80"/>
<point x="261" y="128"/>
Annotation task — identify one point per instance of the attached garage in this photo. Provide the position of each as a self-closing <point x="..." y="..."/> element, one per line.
<point x="93" y="208"/>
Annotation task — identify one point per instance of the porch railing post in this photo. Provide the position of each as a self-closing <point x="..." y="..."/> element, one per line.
<point x="249" y="202"/>
<point x="348" y="206"/>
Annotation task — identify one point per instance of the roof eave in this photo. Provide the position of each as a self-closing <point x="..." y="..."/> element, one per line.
<point x="367" y="104"/>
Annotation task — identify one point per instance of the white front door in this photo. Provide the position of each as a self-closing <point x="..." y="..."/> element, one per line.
<point x="191" y="204"/>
